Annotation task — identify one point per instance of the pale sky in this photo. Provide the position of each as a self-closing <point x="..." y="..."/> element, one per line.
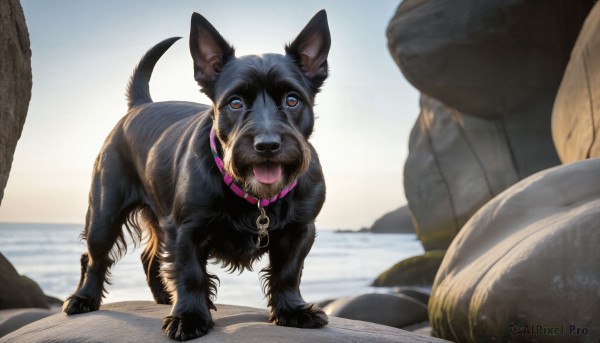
<point x="85" y="51"/>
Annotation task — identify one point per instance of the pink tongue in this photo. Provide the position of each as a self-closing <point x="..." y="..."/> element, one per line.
<point x="267" y="173"/>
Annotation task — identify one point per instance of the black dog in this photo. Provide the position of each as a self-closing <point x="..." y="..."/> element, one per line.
<point x="229" y="182"/>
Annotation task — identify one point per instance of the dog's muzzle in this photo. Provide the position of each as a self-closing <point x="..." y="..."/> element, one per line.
<point x="266" y="173"/>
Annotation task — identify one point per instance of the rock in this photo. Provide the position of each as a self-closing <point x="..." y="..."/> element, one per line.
<point x="413" y="271"/>
<point x="395" y="310"/>
<point x="361" y="230"/>
<point x="456" y="163"/>
<point x="418" y="293"/>
<point x="325" y="302"/>
<point x="419" y="326"/>
<point x="528" y="258"/>
<point x="18" y="291"/>
<point x="11" y="320"/>
<point x="15" y="89"/>
<point x="397" y="221"/>
<point x="425" y="331"/>
<point x="137" y="321"/>
<point x="487" y="58"/>
<point x="54" y="302"/>
<point x="576" y="113"/>
<point x="488" y="74"/>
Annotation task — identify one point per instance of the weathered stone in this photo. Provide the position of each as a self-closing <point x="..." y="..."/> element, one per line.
<point x="456" y="163"/>
<point x="397" y="221"/>
<point x="418" y="293"/>
<point x="18" y="291"/>
<point x="54" y="302"/>
<point x="325" y="302"/>
<point x="413" y="271"/>
<point x="142" y="321"/>
<point x="15" y="82"/>
<point x="528" y="257"/>
<point x="425" y="330"/>
<point x="11" y="320"/>
<point x="488" y="72"/>
<point x="395" y="310"/>
<point x="486" y="58"/>
<point x="576" y="113"/>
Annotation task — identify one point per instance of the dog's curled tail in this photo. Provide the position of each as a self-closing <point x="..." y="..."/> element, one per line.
<point x="138" y="91"/>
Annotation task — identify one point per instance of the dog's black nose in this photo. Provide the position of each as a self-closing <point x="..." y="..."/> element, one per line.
<point x="267" y="144"/>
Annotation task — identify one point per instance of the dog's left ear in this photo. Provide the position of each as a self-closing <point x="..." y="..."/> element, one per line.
<point x="311" y="47"/>
<point x="210" y="51"/>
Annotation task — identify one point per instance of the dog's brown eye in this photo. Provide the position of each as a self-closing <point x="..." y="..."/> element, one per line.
<point x="291" y="101"/>
<point x="236" y="103"/>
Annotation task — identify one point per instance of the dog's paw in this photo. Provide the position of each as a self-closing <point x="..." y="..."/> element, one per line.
<point x="183" y="328"/>
<point x="76" y="304"/>
<point x="306" y="316"/>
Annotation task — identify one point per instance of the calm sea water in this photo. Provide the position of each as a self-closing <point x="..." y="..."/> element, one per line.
<point x="339" y="264"/>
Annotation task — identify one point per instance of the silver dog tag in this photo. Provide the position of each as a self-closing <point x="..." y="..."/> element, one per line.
<point x="262" y="226"/>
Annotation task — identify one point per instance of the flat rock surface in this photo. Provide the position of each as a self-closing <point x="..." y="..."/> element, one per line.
<point x="13" y="319"/>
<point x="141" y="321"/>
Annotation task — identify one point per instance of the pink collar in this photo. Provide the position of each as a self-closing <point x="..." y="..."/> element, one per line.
<point x="237" y="189"/>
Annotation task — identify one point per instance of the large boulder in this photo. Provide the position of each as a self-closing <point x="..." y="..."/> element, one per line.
<point x="397" y="221"/>
<point x="526" y="263"/>
<point x="15" y="88"/>
<point x="488" y="58"/>
<point x="18" y="291"/>
<point x="139" y="321"/>
<point x="576" y="113"/>
<point x="488" y="72"/>
<point x="456" y="163"/>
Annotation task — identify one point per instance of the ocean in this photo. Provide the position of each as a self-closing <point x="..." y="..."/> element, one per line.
<point x="339" y="264"/>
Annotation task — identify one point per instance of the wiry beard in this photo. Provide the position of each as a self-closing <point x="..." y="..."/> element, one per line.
<point x="245" y="178"/>
<point x="261" y="190"/>
<point x="239" y="158"/>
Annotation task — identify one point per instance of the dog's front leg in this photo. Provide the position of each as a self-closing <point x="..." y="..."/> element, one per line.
<point x="190" y="284"/>
<point x="282" y="277"/>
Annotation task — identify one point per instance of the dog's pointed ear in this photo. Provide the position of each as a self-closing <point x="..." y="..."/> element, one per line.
<point x="210" y="51"/>
<point x="311" y="47"/>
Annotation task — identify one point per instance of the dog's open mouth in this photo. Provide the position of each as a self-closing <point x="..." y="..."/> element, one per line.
<point x="267" y="173"/>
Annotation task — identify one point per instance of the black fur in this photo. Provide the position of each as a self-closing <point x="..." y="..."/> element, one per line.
<point x="156" y="174"/>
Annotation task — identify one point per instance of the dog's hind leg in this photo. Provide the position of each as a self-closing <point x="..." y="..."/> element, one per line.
<point x="111" y="201"/>
<point x="152" y="260"/>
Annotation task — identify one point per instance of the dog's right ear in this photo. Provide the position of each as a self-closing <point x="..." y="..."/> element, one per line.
<point x="210" y="51"/>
